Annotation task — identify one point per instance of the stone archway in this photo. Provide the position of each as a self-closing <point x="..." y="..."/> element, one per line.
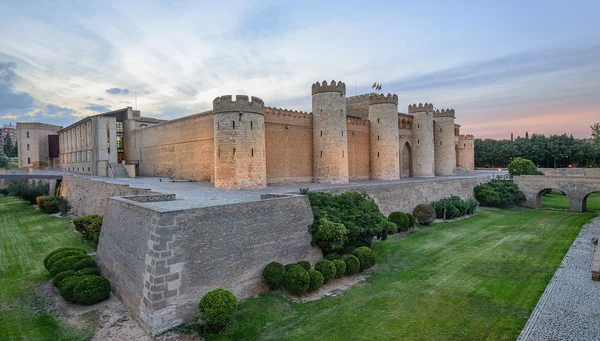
<point x="584" y="202"/>
<point x="406" y="161"/>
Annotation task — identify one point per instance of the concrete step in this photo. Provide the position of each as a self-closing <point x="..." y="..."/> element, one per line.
<point x="119" y="171"/>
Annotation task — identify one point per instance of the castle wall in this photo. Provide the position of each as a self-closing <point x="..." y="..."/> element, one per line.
<point x="163" y="262"/>
<point x="358" y="150"/>
<point x="358" y="106"/>
<point x="288" y="141"/>
<point x="181" y="148"/>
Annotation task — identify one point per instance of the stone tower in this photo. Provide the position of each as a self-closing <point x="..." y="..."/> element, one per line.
<point x="330" y="138"/>
<point x="383" y="118"/>
<point x="466" y="153"/>
<point x="240" y="158"/>
<point x="423" y="149"/>
<point x="443" y="133"/>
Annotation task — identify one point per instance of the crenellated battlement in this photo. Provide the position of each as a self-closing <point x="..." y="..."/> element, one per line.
<point x="37" y="125"/>
<point x="360" y="98"/>
<point x="332" y="87"/>
<point x="444" y="113"/>
<point x="466" y="137"/>
<point x="357" y="121"/>
<point x="383" y="99"/>
<point x="420" y="108"/>
<point x="287" y="112"/>
<point x="241" y="104"/>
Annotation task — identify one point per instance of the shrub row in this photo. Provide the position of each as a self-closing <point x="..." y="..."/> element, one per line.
<point x="76" y="276"/>
<point x="299" y="278"/>
<point x="26" y="191"/>
<point x="453" y="207"/>
<point x="53" y="204"/>
<point x="499" y="193"/>
<point x="402" y="220"/>
<point x="89" y="226"/>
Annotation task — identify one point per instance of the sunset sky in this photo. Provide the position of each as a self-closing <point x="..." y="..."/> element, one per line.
<point x="505" y="66"/>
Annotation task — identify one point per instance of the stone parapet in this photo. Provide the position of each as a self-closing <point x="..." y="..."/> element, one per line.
<point x="241" y="104"/>
<point x="420" y="108"/>
<point x="444" y="113"/>
<point x="383" y="99"/>
<point x="332" y="87"/>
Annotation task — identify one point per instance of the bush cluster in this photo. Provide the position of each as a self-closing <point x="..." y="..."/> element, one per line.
<point x="359" y="214"/>
<point x="329" y="236"/>
<point x="499" y="193"/>
<point x="53" y="204"/>
<point x="274" y="273"/>
<point x="327" y="268"/>
<point x="453" y="207"/>
<point x="520" y="166"/>
<point x="89" y="226"/>
<point x="297" y="280"/>
<point x="218" y="308"/>
<point x="76" y="276"/>
<point x="26" y="191"/>
<point x="424" y="214"/>
<point x="366" y="257"/>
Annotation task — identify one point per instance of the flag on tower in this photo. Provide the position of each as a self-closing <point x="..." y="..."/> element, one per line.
<point x="374" y="85"/>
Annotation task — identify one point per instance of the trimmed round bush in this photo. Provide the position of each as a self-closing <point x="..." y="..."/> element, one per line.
<point x="67" y="263"/>
<point x="218" y="308"/>
<point x="60" y="255"/>
<point x="365" y="256"/>
<point x="52" y="253"/>
<point x="297" y="280"/>
<point x="352" y="264"/>
<point x="305" y="265"/>
<point x="333" y="256"/>
<point x="274" y="273"/>
<point x="400" y="219"/>
<point x="67" y="285"/>
<point x="316" y="280"/>
<point x="340" y="267"/>
<point x="288" y="267"/>
<point x="61" y="276"/>
<point x="88" y="272"/>
<point x="329" y="236"/>
<point x="91" y="289"/>
<point x="424" y="213"/>
<point x="412" y="221"/>
<point x="85" y="263"/>
<point x="392" y="228"/>
<point x="327" y="268"/>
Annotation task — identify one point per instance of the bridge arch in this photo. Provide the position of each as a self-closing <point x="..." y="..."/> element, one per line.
<point x="577" y="189"/>
<point x="585" y="199"/>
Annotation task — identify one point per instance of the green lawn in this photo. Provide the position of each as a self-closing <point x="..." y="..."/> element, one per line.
<point x="474" y="279"/>
<point x="559" y="201"/>
<point x="26" y="235"/>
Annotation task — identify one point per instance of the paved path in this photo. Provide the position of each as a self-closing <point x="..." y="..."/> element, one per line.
<point x="569" y="309"/>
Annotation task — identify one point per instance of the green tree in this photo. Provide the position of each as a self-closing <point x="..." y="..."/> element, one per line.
<point x="15" y="151"/>
<point x="595" y="132"/>
<point x="520" y="166"/>
<point x="8" y="146"/>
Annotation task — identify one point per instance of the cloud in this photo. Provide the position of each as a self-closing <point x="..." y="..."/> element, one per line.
<point x="54" y="110"/>
<point x="99" y="99"/>
<point x="12" y="100"/>
<point x="117" y="91"/>
<point x="98" y="108"/>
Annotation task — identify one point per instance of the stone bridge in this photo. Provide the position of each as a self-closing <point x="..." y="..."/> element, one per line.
<point x="576" y="188"/>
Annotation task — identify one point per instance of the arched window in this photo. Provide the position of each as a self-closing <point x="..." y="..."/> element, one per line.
<point x="27" y="134"/>
<point x="28" y="160"/>
<point x="28" y="146"/>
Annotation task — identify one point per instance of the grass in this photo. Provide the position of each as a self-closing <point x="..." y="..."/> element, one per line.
<point x="26" y="236"/>
<point x="475" y="279"/>
<point x="559" y="201"/>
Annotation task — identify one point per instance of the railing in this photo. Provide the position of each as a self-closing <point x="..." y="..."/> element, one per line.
<point x="112" y="170"/>
<point x="501" y="176"/>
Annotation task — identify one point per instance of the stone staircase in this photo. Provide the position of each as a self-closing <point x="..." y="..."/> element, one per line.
<point x="119" y="171"/>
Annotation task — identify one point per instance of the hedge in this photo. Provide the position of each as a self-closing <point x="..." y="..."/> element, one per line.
<point x="316" y="280"/>
<point x="297" y="280"/>
<point x="274" y="274"/>
<point x="64" y="254"/>
<point x="352" y="264"/>
<point x="91" y="289"/>
<point x="88" y="272"/>
<point x="89" y="226"/>
<point x="52" y="253"/>
<point x="340" y="267"/>
<point x="67" y="285"/>
<point x="365" y="256"/>
<point x="67" y="263"/>
<point x="327" y="268"/>
<point x="218" y="308"/>
<point x="85" y="263"/>
<point x="61" y="276"/>
<point x="305" y="264"/>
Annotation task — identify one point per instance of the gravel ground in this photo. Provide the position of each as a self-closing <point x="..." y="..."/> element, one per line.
<point x="569" y="309"/>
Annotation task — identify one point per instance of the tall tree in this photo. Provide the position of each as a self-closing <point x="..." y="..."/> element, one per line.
<point x="596" y="132"/>
<point x="8" y="145"/>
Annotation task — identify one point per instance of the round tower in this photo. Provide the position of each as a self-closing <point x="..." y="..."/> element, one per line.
<point x="240" y="158"/>
<point x="423" y="150"/>
<point x="444" y="142"/>
<point x="465" y="160"/>
<point x="383" y="128"/>
<point x="330" y="138"/>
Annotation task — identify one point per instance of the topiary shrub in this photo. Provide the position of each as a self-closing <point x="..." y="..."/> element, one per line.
<point x="392" y="228"/>
<point x="64" y="254"/>
<point x="91" y="289"/>
<point x="85" y="263"/>
<point x="400" y="219"/>
<point x="65" y="264"/>
<point x="412" y="221"/>
<point x="61" y="276"/>
<point x="352" y="264"/>
<point x="365" y="256"/>
<point x="218" y="308"/>
<point x="424" y="213"/>
<point x="327" y="268"/>
<point x="274" y="273"/>
<point x="288" y="267"/>
<point x="67" y="285"/>
<point x="499" y="193"/>
<point x="340" y="267"/>
<point x="316" y="280"/>
<point x="88" y="272"/>
<point x="329" y="236"/>
<point x="333" y="256"/>
<point x="52" y="253"/>
<point x="305" y="265"/>
<point x="89" y="226"/>
<point x="297" y="280"/>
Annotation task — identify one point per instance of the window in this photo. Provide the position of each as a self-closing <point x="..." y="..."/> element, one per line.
<point x="252" y="152"/>
<point x="440" y="129"/>
<point x="251" y="125"/>
<point x="342" y="133"/>
<point x="417" y="141"/>
<point x="377" y="120"/>
<point x="321" y="153"/>
<point x="218" y="125"/>
<point x="418" y="126"/>
<point x="233" y="152"/>
<point x="321" y="133"/>
<point x="377" y="154"/>
<point x="28" y="137"/>
<point x="342" y="153"/>
<point x="440" y="143"/>
<point x="377" y="137"/>
<point x="233" y="124"/>
<point x="28" y="146"/>
<point x="28" y="159"/>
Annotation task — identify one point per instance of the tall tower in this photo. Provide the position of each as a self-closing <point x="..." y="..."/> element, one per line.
<point x="383" y="118"/>
<point x="330" y="138"/>
<point x="465" y="160"/>
<point x="443" y="133"/>
<point x="423" y="150"/>
<point x="240" y="158"/>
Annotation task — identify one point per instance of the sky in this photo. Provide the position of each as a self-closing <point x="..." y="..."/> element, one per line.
<point x="504" y="66"/>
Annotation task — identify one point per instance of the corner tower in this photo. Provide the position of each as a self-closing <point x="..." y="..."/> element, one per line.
<point x="443" y="133"/>
<point x="383" y="117"/>
<point x="330" y="138"/>
<point x="423" y="150"/>
<point x="465" y="160"/>
<point x="239" y="128"/>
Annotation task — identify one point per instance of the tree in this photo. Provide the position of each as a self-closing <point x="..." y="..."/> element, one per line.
<point x="15" y="151"/>
<point x="8" y="146"/>
<point x="520" y="166"/>
<point x="596" y="132"/>
<point x="3" y="159"/>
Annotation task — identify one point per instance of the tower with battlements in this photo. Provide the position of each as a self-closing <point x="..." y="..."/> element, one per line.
<point x="443" y="134"/>
<point x="423" y="140"/>
<point x="239" y="142"/>
<point x="465" y="160"/>
<point x="384" y="154"/>
<point x="330" y="138"/>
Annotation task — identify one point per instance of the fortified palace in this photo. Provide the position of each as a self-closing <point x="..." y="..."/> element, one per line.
<point x="241" y="143"/>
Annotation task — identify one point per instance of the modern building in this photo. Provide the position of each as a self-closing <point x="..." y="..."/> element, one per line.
<point x="8" y="130"/>
<point x="38" y="145"/>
